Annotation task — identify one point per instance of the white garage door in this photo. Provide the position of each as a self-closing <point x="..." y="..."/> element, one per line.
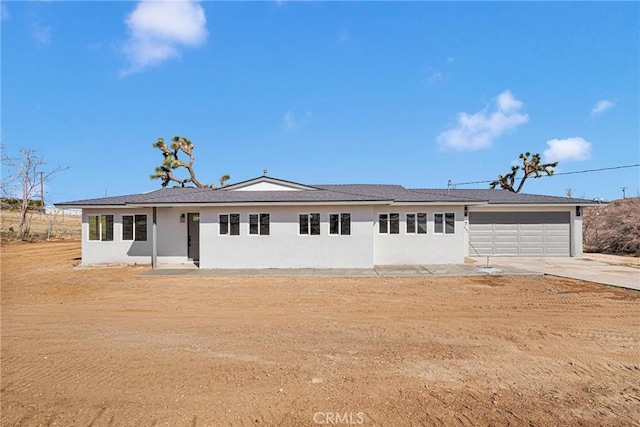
<point x="519" y="234"/>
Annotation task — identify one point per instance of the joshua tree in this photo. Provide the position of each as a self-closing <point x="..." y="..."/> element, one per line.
<point x="172" y="161"/>
<point x="529" y="167"/>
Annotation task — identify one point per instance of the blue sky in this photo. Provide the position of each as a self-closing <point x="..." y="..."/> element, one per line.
<point x="412" y="93"/>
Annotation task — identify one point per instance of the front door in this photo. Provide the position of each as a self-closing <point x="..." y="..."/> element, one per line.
<point x="193" y="233"/>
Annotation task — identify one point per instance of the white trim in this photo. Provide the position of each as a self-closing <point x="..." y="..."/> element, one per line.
<point x="100" y="206"/>
<point x="289" y="184"/>
<point x="539" y="206"/>
<point x="133" y="214"/>
<point x="248" y="204"/>
<point x="444" y="223"/>
<point x="339" y="233"/>
<point x="309" y="223"/>
<point x="259" y="224"/>
<point x="228" y="233"/>
<point x="461" y="203"/>
<point x="113" y="228"/>
<point x="416" y="223"/>
<point x="389" y="223"/>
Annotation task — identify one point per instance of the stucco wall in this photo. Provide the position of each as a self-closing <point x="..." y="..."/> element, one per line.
<point x="116" y="251"/>
<point x="172" y="235"/>
<point x="576" y="222"/>
<point x="430" y="248"/>
<point x="284" y="247"/>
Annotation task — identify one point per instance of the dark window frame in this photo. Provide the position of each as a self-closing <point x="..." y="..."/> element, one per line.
<point x="103" y="228"/>
<point x="340" y="224"/>
<point x="259" y="224"/>
<point x="138" y="230"/>
<point x="444" y="223"/>
<point x="389" y="223"/>
<point x="229" y="224"/>
<point x="309" y="224"/>
<point x="416" y="223"/>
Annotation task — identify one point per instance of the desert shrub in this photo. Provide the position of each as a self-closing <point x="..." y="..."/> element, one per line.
<point x="613" y="228"/>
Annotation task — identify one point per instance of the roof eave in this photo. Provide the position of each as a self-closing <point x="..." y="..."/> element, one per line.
<point x="539" y="204"/>
<point x="87" y="206"/>
<point x="440" y="203"/>
<point x="250" y="204"/>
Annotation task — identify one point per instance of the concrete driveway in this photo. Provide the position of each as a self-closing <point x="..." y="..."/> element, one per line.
<point x="609" y="270"/>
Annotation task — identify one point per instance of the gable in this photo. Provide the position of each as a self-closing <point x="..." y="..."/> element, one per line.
<point x="266" y="186"/>
<point x="265" y="183"/>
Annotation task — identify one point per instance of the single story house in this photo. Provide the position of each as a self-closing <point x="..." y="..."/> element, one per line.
<point x="273" y="223"/>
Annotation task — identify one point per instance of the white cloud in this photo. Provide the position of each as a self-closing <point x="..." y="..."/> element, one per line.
<point x="158" y="29"/>
<point x="570" y="149"/>
<point x="434" y="77"/>
<point x="343" y="37"/>
<point x="290" y="122"/>
<point x="41" y="34"/>
<point x="601" y="106"/>
<point x="4" y="12"/>
<point x="477" y="131"/>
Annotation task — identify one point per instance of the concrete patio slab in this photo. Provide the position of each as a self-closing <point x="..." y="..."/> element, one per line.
<point x="379" y="271"/>
<point x="585" y="268"/>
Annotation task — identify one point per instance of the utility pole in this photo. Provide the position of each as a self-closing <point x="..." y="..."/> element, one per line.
<point x="624" y="194"/>
<point x="42" y="190"/>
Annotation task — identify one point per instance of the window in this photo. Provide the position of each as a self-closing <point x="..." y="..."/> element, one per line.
<point x="134" y="227"/>
<point x="444" y="223"/>
<point x="310" y="224"/>
<point x="94" y="227"/>
<point x="127" y="227"/>
<point x="345" y="224"/>
<point x="421" y="223"/>
<point x="259" y="224"/>
<point x="101" y="227"/>
<point x="383" y="223"/>
<point x="389" y="223"/>
<point x="230" y="224"/>
<point x="340" y="224"/>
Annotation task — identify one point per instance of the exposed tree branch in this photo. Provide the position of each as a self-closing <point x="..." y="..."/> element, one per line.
<point x="26" y="170"/>
<point x="530" y="168"/>
<point x="172" y="161"/>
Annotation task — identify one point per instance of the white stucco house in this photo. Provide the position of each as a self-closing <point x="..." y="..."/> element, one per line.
<point x="273" y="223"/>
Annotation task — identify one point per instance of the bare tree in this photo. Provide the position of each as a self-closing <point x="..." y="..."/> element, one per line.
<point x="530" y="168"/>
<point x="172" y="161"/>
<point x="26" y="170"/>
<point x="7" y="180"/>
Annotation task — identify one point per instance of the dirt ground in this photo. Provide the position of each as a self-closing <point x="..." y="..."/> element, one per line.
<point x="57" y="225"/>
<point x="107" y="346"/>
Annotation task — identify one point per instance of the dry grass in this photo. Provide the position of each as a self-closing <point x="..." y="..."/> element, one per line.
<point x="613" y="228"/>
<point x="62" y="226"/>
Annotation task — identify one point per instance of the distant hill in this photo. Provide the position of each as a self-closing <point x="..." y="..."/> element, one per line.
<point x="614" y="228"/>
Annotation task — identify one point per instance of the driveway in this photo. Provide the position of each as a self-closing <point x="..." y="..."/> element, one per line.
<point x="609" y="270"/>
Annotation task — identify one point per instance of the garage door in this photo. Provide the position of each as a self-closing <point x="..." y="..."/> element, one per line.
<point x="519" y="233"/>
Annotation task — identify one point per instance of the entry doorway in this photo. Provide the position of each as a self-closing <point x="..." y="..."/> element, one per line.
<point x="193" y="236"/>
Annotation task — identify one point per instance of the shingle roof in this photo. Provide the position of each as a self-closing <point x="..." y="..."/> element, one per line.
<point x="219" y="196"/>
<point x="338" y="193"/>
<point x="132" y="198"/>
<point x="504" y="197"/>
<point x="397" y="193"/>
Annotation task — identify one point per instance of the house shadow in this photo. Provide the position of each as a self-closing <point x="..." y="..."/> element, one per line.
<point x="139" y="249"/>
